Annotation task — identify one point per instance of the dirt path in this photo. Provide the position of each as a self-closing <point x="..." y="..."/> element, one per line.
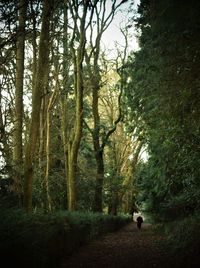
<point x="129" y="247"/>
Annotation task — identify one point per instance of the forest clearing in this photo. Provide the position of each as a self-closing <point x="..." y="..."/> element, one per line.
<point x="99" y="121"/>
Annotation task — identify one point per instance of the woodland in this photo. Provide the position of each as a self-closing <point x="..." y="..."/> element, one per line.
<point x="77" y="120"/>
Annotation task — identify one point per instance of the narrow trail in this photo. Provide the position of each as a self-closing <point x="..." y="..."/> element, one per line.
<point x="128" y="247"/>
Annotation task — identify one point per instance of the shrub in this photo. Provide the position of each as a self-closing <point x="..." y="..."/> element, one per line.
<point x="184" y="241"/>
<point x="41" y="240"/>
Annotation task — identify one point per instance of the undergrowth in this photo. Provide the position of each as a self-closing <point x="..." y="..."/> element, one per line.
<point x="183" y="241"/>
<point x="41" y="240"/>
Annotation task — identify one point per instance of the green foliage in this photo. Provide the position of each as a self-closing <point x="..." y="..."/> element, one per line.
<point x="183" y="240"/>
<point x="8" y="199"/>
<point x="163" y="94"/>
<point x="40" y="240"/>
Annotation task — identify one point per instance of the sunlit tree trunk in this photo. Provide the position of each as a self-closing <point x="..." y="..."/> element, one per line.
<point x="48" y="139"/>
<point x="74" y="142"/>
<point x="18" y="122"/>
<point x="76" y="134"/>
<point x="38" y="89"/>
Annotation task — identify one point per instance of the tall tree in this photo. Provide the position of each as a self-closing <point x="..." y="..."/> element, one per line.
<point x="65" y="91"/>
<point x="18" y="121"/>
<point x="79" y="33"/>
<point x="102" y="22"/>
<point x="40" y="83"/>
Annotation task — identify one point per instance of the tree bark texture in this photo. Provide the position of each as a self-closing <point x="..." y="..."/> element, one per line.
<point x="18" y="120"/>
<point x="40" y="83"/>
<point x="98" y="150"/>
<point x="97" y="206"/>
<point x="64" y="134"/>
<point x="76" y="134"/>
<point x="74" y="143"/>
<point x="64" y="99"/>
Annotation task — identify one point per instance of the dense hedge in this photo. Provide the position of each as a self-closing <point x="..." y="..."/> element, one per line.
<point x="183" y="241"/>
<point x="41" y="240"/>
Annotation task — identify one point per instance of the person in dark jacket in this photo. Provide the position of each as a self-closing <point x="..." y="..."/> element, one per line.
<point x="139" y="222"/>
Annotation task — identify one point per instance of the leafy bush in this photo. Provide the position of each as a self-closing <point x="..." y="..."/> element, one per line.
<point x="41" y="240"/>
<point x="184" y="241"/>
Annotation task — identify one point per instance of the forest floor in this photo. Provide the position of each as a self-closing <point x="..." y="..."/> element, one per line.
<point x="128" y="247"/>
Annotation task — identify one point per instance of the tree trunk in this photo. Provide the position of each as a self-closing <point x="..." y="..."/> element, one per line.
<point x="98" y="150"/>
<point x="76" y="134"/>
<point x="97" y="206"/>
<point x="64" y="99"/>
<point x="48" y="139"/>
<point x="40" y="83"/>
<point x="18" y="122"/>
<point x="102" y="24"/>
<point x="74" y="144"/>
<point x="49" y="205"/>
<point x="64" y="120"/>
<point x="72" y="168"/>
